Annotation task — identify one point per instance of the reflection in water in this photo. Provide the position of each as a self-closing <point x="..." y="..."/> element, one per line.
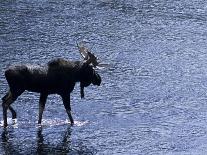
<point x="10" y="147"/>
<point x="7" y="145"/>
<point x="45" y="148"/>
<point x="62" y="144"/>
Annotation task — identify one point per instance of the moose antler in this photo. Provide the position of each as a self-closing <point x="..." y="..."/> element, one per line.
<point x="87" y="55"/>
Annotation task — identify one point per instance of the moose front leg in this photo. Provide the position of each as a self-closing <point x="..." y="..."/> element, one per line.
<point x="66" y="102"/>
<point x="42" y="101"/>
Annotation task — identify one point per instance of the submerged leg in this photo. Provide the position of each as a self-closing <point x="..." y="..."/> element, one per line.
<point x="66" y="102"/>
<point x="42" y="101"/>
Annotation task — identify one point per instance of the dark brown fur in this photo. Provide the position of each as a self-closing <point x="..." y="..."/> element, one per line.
<point x="57" y="77"/>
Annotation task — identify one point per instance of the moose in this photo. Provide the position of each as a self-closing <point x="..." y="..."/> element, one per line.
<point x="58" y="76"/>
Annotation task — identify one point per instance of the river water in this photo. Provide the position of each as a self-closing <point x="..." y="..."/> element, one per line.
<point x="153" y="98"/>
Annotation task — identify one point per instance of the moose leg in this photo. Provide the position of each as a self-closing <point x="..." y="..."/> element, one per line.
<point x="42" y="101"/>
<point x="4" y="99"/>
<point x="66" y="102"/>
<point x="14" y="114"/>
<point x="6" y="96"/>
<point x="5" y="115"/>
<point x="8" y="99"/>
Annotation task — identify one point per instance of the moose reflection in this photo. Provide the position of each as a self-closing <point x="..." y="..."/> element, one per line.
<point x="62" y="147"/>
<point x="56" y="77"/>
<point x="43" y="143"/>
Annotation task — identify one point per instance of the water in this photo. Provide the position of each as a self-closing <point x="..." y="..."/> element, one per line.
<point x="154" y="91"/>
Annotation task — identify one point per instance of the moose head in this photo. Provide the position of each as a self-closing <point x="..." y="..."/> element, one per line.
<point x="88" y="73"/>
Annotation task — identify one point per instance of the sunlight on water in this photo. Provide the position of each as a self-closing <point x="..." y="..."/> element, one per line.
<point x="10" y="121"/>
<point x="80" y="123"/>
<point x="56" y="122"/>
<point x="53" y="122"/>
<point x="45" y="122"/>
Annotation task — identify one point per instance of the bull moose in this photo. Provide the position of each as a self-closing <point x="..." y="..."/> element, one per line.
<point x="56" y="77"/>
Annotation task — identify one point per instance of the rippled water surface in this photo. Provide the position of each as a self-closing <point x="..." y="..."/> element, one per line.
<point x="153" y="99"/>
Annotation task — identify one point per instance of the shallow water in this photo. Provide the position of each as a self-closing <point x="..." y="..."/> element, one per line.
<point x="153" y="96"/>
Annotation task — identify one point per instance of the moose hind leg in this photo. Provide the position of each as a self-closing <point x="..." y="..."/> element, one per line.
<point x="8" y="99"/>
<point x="4" y="114"/>
<point x="14" y="114"/>
<point x="66" y="102"/>
<point x="6" y="96"/>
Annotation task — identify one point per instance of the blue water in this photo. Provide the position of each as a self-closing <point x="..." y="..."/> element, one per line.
<point x="153" y="99"/>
